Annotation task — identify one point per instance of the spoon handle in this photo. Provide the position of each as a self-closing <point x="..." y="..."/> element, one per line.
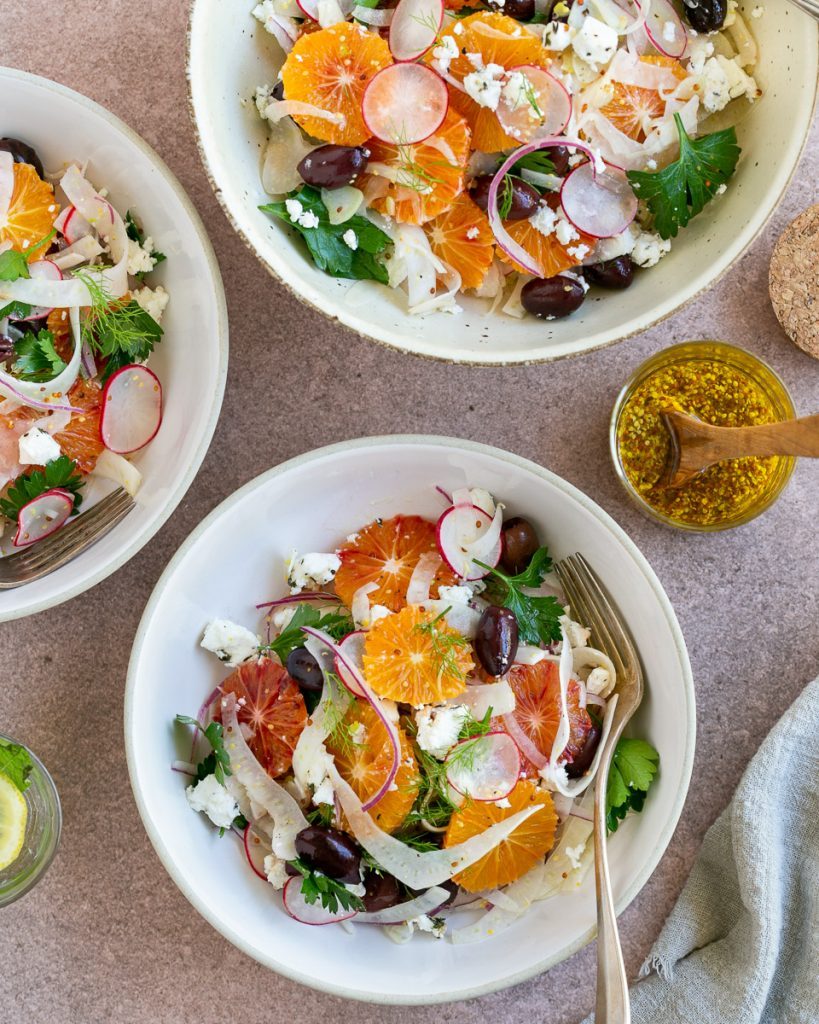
<point x="790" y="437"/>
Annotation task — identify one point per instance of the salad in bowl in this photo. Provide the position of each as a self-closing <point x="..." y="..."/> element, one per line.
<point x="410" y="740"/>
<point x="79" y="320"/>
<point x="519" y="151"/>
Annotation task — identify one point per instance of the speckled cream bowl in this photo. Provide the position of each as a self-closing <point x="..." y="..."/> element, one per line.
<point x="191" y="361"/>
<point x="230" y="54"/>
<point x="235" y="559"/>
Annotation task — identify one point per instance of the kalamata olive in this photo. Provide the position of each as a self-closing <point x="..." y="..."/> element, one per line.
<point x="303" y="667"/>
<point x="519" y="542"/>
<point x="332" y="852"/>
<point x="496" y="641"/>
<point x="6" y="348"/>
<point x="559" y="155"/>
<point x="521" y="10"/>
<point x="582" y="762"/>
<point x="552" y="297"/>
<point x="616" y="273"/>
<point x="333" y="166"/>
<point x="525" y="197"/>
<point x="705" y="15"/>
<point x="22" y="153"/>
<point x="278" y="91"/>
<point x="382" y="891"/>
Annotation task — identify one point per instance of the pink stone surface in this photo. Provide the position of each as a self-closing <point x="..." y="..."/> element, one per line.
<point x="107" y="936"/>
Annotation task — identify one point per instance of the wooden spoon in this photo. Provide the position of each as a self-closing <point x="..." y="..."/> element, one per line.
<point x="696" y="445"/>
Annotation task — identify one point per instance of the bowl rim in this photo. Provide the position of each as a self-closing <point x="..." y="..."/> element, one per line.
<point x="182" y="484"/>
<point x="409" y="440"/>
<point x="350" y="321"/>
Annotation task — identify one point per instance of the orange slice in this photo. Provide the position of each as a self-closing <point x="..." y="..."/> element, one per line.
<point x="498" y="39"/>
<point x="58" y="324"/>
<point x="271" y="705"/>
<point x="415" y="658"/>
<point x="463" y="239"/>
<point x="632" y="107"/>
<point x="551" y="254"/>
<point x="330" y="69"/>
<point x="386" y="552"/>
<point x="429" y="175"/>
<point x="31" y="212"/>
<point x="519" y="852"/>
<point x="364" y="757"/>
<point x="537" y="707"/>
<point x="80" y="440"/>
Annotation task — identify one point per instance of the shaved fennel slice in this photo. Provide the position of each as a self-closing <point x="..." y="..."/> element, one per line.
<point x="287" y="816"/>
<point x="423" y="904"/>
<point x="286" y="148"/>
<point x="311" y="760"/>
<point x="420" y="870"/>
<point x="482" y="697"/>
<point x="565" y="667"/>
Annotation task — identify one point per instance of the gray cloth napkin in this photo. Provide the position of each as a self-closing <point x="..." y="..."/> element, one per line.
<point x="742" y="944"/>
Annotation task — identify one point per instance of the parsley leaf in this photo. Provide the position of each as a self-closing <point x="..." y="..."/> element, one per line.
<point x="136" y="234"/>
<point x="680" y="191"/>
<point x="37" y="359"/>
<point x="16" y="310"/>
<point x="315" y="886"/>
<point x="326" y="242"/>
<point x="633" y="767"/>
<point x="291" y="637"/>
<point x="13" y="265"/>
<point x="539" y="161"/>
<point x="218" y="761"/>
<point x="538" y="617"/>
<point x="15" y="764"/>
<point x="62" y="473"/>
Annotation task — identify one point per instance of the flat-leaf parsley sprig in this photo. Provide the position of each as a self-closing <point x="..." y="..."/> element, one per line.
<point x="61" y="472"/>
<point x="538" y="616"/>
<point x="315" y="886"/>
<point x="218" y="760"/>
<point x="633" y="767"/>
<point x="15" y="764"/>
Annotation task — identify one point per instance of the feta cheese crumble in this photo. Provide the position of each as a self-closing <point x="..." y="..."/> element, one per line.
<point x="595" y="42"/>
<point x="439" y="728"/>
<point x="230" y="643"/>
<point x="460" y="594"/>
<point x="484" y="85"/>
<point x="37" y="448"/>
<point x="152" y="300"/>
<point x="311" y="571"/>
<point x="649" y="249"/>
<point x="350" y="239"/>
<point x="276" y="871"/>
<point x="140" y="260"/>
<point x="210" y="796"/>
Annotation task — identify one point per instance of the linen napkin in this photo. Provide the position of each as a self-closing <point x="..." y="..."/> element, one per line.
<point x="741" y="946"/>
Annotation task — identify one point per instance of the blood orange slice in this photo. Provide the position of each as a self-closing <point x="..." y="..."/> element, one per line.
<point x="271" y="705"/>
<point x="519" y="852"/>
<point x="463" y="239"/>
<point x="80" y="440"/>
<point x="31" y="211"/>
<point x="386" y="552"/>
<point x="552" y="255"/>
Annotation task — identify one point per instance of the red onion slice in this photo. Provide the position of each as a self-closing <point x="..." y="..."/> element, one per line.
<point x="664" y="28"/>
<point x="405" y="103"/>
<point x="485" y="768"/>
<point x="308" y="595"/>
<point x="466" y="533"/>
<point x="42" y="516"/>
<point x="542" y="106"/>
<point x="353" y="647"/>
<point x="414" y="27"/>
<point x="601" y="204"/>
<point x="526" y="746"/>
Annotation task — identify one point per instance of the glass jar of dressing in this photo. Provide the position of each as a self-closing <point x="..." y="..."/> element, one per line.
<point x="723" y="385"/>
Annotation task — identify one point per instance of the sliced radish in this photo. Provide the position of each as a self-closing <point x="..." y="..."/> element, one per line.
<point x="257" y="847"/>
<point x="309" y="913"/>
<point x="43" y="270"/>
<point x="414" y="27"/>
<point x="42" y="516"/>
<point x="369" y="16"/>
<point x="309" y="8"/>
<point x="131" y="409"/>
<point x="599" y="203"/>
<point x="72" y="224"/>
<point x="405" y="103"/>
<point x="352" y="649"/>
<point x="665" y="29"/>
<point x="466" y="535"/>
<point x="533" y="104"/>
<point x="484" y="768"/>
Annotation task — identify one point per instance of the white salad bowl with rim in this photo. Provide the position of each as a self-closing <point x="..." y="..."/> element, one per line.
<point x="235" y="559"/>
<point x="230" y="54"/>
<point x="191" y="360"/>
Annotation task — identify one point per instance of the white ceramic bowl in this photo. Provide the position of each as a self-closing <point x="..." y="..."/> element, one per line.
<point x="191" y="361"/>
<point x="231" y="54"/>
<point x="234" y="559"/>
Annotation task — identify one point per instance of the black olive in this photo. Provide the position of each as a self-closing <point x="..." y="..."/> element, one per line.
<point x="705" y="15"/>
<point x="559" y="155"/>
<point x="525" y="197"/>
<point x="332" y="852"/>
<point x="382" y="891"/>
<point x="520" y="542"/>
<point x="22" y="153"/>
<point x="496" y="641"/>
<point x="581" y="764"/>
<point x="303" y="667"/>
<point x="617" y="273"/>
<point x="521" y="10"/>
<point x="6" y="348"/>
<point x="333" y="166"/>
<point x="552" y="297"/>
<point x="278" y="90"/>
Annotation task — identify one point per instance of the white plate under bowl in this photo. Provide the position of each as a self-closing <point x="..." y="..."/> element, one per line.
<point x="234" y="560"/>
<point x="230" y="54"/>
<point x="191" y="361"/>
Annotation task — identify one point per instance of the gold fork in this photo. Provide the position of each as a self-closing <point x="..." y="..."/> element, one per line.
<point x="592" y="606"/>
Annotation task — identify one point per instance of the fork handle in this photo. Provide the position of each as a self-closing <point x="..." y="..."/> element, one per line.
<point x="613" y="1004"/>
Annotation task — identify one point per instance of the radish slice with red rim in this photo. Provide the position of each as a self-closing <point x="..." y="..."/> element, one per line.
<point x="43" y="270"/>
<point x="465" y="535"/>
<point x="257" y="847"/>
<point x="352" y="648"/>
<point x="42" y="516"/>
<point x="309" y="8"/>
<point x="665" y="29"/>
<point x="72" y="224"/>
<point x="598" y="203"/>
<point x="484" y="768"/>
<point x="533" y="103"/>
<point x="309" y="913"/>
<point x="405" y="103"/>
<point x="414" y="27"/>
<point x="131" y="409"/>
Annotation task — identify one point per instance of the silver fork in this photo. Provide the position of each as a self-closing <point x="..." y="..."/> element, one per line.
<point x="49" y="554"/>
<point x="810" y="7"/>
<point x="594" y="609"/>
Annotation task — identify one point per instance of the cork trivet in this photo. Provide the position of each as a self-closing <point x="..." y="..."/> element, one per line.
<point x="794" y="281"/>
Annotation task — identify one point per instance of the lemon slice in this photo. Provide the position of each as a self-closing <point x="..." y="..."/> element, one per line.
<point x="13" y="818"/>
